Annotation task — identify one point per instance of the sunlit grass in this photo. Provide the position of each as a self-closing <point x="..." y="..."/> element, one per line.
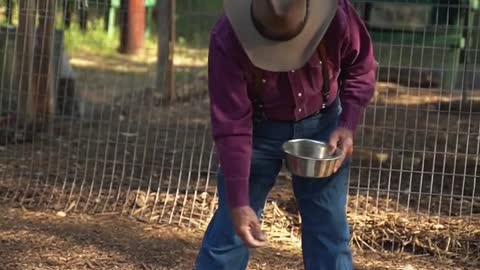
<point x="96" y="40"/>
<point x="95" y="48"/>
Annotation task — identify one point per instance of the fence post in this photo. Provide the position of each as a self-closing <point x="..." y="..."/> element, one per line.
<point x="166" y="42"/>
<point x="35" y="67"/>
<point x="24" y="59"/>
<point x="43" y="71"/>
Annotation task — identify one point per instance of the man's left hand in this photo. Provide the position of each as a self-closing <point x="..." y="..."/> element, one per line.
<point x="341" y="138"/>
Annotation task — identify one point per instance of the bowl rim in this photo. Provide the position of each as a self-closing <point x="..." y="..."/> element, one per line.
<point x="337" y="155"/>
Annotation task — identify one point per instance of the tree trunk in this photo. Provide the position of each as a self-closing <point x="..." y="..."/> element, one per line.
<point x="166" y="42"/>
<point x="133" y="26"/>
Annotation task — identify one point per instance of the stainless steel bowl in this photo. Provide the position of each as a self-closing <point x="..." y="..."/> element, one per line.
<point x="310" y="158"/>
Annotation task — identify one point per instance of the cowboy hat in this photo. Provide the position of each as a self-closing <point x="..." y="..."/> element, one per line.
<point x="280" y="35"/>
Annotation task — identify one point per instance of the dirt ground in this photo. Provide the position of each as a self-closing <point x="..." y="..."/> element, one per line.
<point x="33" y="240"/>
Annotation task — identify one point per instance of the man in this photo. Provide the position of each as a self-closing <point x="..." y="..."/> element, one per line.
<point x="280" y="70"/>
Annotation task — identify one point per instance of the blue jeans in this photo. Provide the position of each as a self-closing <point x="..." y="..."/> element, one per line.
<point x="322" y="203"/>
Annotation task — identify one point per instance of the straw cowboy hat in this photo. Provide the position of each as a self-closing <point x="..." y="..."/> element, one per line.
<point x="280" y="35"/>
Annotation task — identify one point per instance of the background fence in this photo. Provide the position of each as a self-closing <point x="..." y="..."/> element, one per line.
<point x="90" y="128"/>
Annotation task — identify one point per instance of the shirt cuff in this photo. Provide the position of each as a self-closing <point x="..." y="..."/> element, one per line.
<point x="237" y="192"/>
<point x="350" y="116"/>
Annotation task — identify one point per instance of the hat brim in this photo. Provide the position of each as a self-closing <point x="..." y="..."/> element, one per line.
<point x="280" y="56"/>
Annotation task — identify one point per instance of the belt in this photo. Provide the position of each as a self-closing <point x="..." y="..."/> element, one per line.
<point x="259" y="113"/>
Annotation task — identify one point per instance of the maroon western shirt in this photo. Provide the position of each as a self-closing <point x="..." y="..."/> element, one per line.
<point x="290" y="95"/>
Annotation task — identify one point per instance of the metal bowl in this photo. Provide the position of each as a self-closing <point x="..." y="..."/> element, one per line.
<point x="310" y="158"/>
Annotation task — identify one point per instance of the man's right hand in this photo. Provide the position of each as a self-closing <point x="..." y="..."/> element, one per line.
<point x="247" y="227"/>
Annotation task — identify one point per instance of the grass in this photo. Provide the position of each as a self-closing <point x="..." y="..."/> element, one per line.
<point x="96" y="40"/>
<point x="95" y="50"/>
<point x="104" y="71"/>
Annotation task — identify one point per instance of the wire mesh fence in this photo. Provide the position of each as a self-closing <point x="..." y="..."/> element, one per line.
<point x="86" y="127"/>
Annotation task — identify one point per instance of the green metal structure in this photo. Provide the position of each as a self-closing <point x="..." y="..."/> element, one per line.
<point x="437" y="46"/>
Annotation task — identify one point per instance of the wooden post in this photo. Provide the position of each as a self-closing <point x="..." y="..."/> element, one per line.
<point x="43" y="71"/>
<point x="24" y="59"/>
<point x="166" y="41"/>
<point x="133" y="26"/>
